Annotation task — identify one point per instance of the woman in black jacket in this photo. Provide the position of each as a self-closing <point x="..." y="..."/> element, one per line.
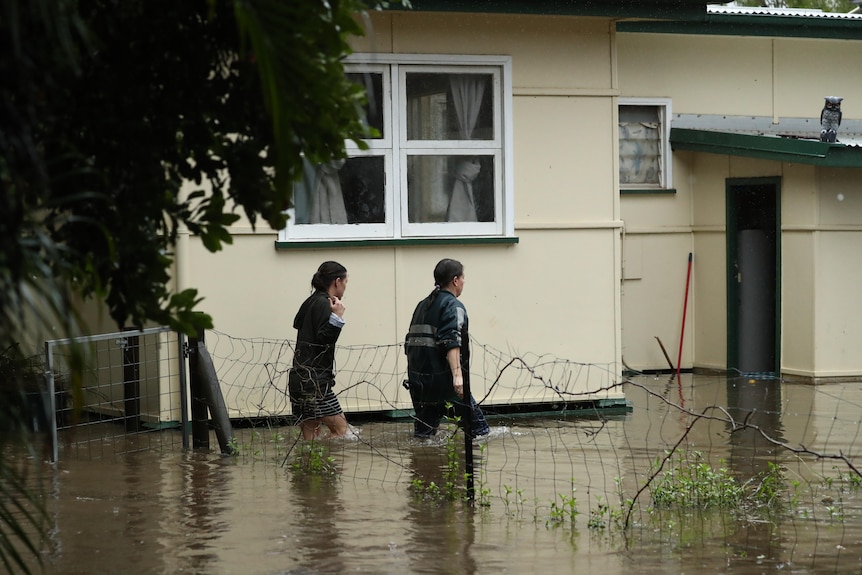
<point x="318" y="323"/>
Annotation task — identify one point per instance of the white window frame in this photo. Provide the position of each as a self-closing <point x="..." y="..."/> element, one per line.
<point x="665" y="115"/>
<point x="395" y="148"/>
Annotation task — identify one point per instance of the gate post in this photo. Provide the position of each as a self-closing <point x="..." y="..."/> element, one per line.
<point x="132" y="384"/>
<point x="200" y="413"/>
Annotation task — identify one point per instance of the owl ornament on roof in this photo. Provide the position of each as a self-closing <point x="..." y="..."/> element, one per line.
<point x="830" y="119"/>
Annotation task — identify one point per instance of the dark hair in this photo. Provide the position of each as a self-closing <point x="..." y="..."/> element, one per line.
<point x="327" y="273"/>
<point x="445" y="271"/>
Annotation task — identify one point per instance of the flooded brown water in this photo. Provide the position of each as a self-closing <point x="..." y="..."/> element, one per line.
<point x="170" y="510"/>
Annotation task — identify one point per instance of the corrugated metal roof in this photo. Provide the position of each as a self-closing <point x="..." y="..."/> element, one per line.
<point x="766" y="22"/>
<point x="788" y="12"/>
<point x="684" y="10"/>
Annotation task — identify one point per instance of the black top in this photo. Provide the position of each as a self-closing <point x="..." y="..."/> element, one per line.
<point x="439" y="324"/>
<point x="316" y="337"/>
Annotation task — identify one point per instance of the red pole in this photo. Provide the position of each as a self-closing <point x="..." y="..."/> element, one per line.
<point x="684" y="310"/>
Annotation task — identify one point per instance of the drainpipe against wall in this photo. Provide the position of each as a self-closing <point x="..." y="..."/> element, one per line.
<point x="181" y="252"/>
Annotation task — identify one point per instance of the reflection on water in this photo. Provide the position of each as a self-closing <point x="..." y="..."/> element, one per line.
<point x="437" y="532"/>
<point x="195" y="495"/>
<point x="192" y="512"/>
<point x="756" y="402"/>
<point x="318" y="541"/>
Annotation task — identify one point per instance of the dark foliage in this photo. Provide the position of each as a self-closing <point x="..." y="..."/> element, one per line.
<point x="109" y="107"/>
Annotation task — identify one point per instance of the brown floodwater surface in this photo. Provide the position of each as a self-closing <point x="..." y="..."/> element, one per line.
<point x="552" y="493"/>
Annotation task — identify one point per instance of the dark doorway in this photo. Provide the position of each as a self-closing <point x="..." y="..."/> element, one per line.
<point x="753" y="279"/>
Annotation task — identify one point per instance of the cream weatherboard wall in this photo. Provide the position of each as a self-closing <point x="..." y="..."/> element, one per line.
<point x="837" y="242"/>
<point x="735" y="75"/>
<point x="594" y="277"/>
<point x="556" y="291"/>
<point x="820" y="234"/>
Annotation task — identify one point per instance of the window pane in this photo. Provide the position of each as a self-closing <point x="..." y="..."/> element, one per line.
<point x="450" y="189"/>
<point x="640" y="145"/>
<point x="348" y="191"/>
<point x="364" y="185"/>
<point x="450" y="106"/>
<point x="373" y="84"/>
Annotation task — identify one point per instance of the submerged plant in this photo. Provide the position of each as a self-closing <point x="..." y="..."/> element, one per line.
<point x="768" y="489"/>
<point x="693" y="483"/>
<point x="453" y="483"/>
<point x="604" y="516"/>
<point x="517" y="504"/>
<point x="482" y="493"/>
<point x="566" y="511"/>
<point x="313" y="459"/>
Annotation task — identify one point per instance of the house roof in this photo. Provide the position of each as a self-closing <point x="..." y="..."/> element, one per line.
<point x="849" y="133"/>
<point x="792" y="140"/>
<point x="743" y="21"/>
<point x="680" y="10"/>
<point x="782" y="12"/>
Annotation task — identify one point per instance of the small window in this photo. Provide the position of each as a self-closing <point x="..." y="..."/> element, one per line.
<point x="439" y="164"/>
<point x="644" y="134"/>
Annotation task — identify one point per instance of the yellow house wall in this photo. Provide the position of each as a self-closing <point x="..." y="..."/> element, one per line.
<point x="745" y="76"/>
<point x="519" y="317"/>
<point x="798" y="213"/>
<point x="595" y="277"/>
<point x="820" y="235"/>
<point x="837" y="245"/>
<point x="736" y="75"/>
<point x="703" y="74"/>
<point x="554" y="293"/>
<point x="656" y="243"/>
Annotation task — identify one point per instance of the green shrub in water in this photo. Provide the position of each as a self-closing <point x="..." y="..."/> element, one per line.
<point x="313" y="459"/>
<point x="693" y="483"/>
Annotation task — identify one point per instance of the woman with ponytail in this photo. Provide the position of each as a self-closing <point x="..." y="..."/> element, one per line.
<point x="438" y="356"/>
<point x="318" y="323"/>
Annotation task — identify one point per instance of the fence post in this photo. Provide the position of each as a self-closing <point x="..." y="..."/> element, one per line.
<point x="52" y="400"/>
<point x="466" y="397"/>
<point x="184" y="353"/>
<point x="132" y="383"/>
<point x="200" y="413"/>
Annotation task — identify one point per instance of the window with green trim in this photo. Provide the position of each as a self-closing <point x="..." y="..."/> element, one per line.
<point x="440" y="166"/>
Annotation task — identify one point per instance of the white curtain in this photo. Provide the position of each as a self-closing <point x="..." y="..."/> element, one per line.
<point x="462" y="207"/>
<point x="327" y="202"/>
<point x="467" y="93"/>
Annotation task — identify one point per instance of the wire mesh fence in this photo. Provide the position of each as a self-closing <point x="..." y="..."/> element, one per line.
<point x="130" y="396"/>
<point x="253" y="376"/>
<point x="571" y="443"/>
<point x="697" y="450"/>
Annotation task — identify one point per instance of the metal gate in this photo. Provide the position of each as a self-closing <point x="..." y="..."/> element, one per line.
<point x="117" y="393"/>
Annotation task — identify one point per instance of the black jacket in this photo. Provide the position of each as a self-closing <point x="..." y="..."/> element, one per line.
<point x="315" y="338"/>
<point x="439" y="324"/>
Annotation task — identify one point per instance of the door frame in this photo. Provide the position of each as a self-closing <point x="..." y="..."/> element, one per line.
<point x="731" y="256"/>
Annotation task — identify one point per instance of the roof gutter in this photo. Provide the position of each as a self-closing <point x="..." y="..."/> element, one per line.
<point x="752" y="25"/>
<point x="679" y="10"/>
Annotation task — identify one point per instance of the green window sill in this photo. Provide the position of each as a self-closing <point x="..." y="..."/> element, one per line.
<point x="389" y="242"/>
<point x="646" y="191"/>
